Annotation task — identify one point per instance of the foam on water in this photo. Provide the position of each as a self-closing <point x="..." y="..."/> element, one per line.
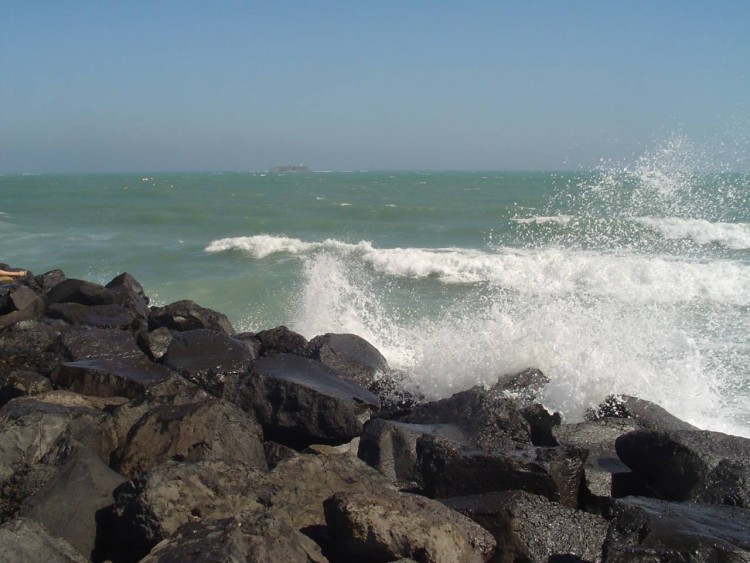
<point x="730" y="235"/>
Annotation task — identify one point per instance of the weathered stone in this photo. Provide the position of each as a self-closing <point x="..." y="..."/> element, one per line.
<point x="81" y="292"/>
<point x="20" y="303"/>
<point x="541" y="424"/>
<point x="448" y="470"/>
<point x="155" y="343"/>
<point x="206" y="430"/>
<point x="532" y="528"/>
<point x="650" y="530"/>
<point x="188" y="315"/>
<point x="23" y="383"/>
<point x="646" y="414"/>
<point x="125" y="280"/>
<point x="281" y="340"/>
<point x="67" y="505"/>
<point x="100" y="316"/>
<point x="24" y="540"/>
<point x="299" y="401"/>
<point x="82" y="343"/>
<point x="525" y="385"/>
<point x="107" y="378"/>
<point x="388" y="525"/>
<point x="251" y="341"/>
<point x="251" y="537"/>
<point x="353" y="358"/>
<point x="685" y="465"/>
<point x="30" y="347"/>
<point x="207" y="357"/>
<point x="48" y="280"/>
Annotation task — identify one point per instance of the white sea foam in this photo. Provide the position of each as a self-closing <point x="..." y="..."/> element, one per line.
<point x="730" y="235"/>
<point x="559" y="219"/>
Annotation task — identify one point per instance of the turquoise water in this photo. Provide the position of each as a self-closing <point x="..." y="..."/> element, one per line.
<point x="629" y="279"/>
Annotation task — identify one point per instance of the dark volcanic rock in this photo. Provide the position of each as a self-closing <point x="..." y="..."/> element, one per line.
<point x="352" y="357"/>
<point x="684" y="465"/>
<point x="644" y="529"/>
<point x="188" y="315"/>
<point x="108" y="378"/>
<point x="281" y="340"/>
<point x="79" y="343"/>
<point x="81" y="292"/>
<point x="30" y="347"/>
<point x="207" y="357"/>
<point x="525" y="385"/>
<point x="155" y="343"/>
<point x="68" y="504"/>
<point x="646" y="414"/>
<point x="532" y="528"/>
<point x="23" y="383"/>
<point x="252" y="537"/>
<point x="24" y="540"/>
<point x="448" y="470"/>
<point x="20" y="303"/>
<point x="388" y="525"/>
<point x="300" y="401"/>
<point x="205" y="430"/>
<point x="100" y="316"/>
<point x="48" y="280"/>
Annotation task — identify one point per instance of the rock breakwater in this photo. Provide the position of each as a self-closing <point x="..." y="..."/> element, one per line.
<point x="130" y="432"/>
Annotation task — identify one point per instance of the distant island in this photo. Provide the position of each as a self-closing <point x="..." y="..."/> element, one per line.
<point x="291" y="168"/>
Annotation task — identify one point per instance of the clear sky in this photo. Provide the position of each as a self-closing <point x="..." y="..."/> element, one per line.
<point x="162" y="85"/>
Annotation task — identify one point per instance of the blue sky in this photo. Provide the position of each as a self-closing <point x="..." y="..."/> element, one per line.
<point x="91" y="86"/>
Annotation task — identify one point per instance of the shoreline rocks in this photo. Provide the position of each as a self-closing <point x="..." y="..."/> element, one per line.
<point x="130" y="432"/>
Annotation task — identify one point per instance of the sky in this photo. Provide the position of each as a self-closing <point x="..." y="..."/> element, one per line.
<point x="161" y="85"/>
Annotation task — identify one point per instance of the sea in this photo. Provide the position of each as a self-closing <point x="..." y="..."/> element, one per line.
<point x="630" y="278"/>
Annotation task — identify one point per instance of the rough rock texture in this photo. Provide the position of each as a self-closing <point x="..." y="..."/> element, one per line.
<point x="188" y="315"/>
<point x="525" y="385"/>
<point x="83" y="343"/>
<point x="685" y="465"/>
<point x="80" y="291"/>
<point x="384" y="527"/>
<point x="205" y="430"/>
<point x="529" y="527"/>
<point x="352" y="357"/>
<point x="647" y="415"/>
<point x="30" y="346"/>
<point x="24" y="540"/>
<point x="207" y="357"/>
<point x="155" y="343"/>
<point x="299" y="401"/>
<point x="644" y="529"/>
<point x="23" y="383"/>
<point x="281" y="340"/>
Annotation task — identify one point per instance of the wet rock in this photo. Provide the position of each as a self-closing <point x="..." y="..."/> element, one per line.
<point x="188" y="315"/>
<point x="79" y="291"/>
<point x="79" y="343"/>
<point x="205" y="430"/>
<point x="68" y="504"/>
<point x="449" y="470"/>
<point x="154" y="343"/>
<point x="251" y="341"/>
<point x="30" y="347"/>
<point x="281" y="340"/>
<point x="644" y="529"/>
<point x="530" y="527"/>
<point x="299" y="401"/>
<point x="24" y="540"/>
<point x="525" y="385"/>
<point x="48" y="280"/>
<point x="646" y="414"/>
<point x="108" y="378"/>
<point x="542" y="424"/>
<point x="353" y="358"/>
<point x="389" y="525"/>
<point x="20" y="303"/>
<point x="684" y="465"/>
<point x="252" y="537"/>
<point x="23" y="383"/>
<point x="100" y="316"/>
<point x="207" y="357"/>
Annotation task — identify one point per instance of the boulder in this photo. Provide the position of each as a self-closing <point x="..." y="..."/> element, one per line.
<point x="250" y="537"/>
<point x="530" y="527"/>
<point x="644" y="529"/>
<point x="449" y="470"/>
<point x="281" y="340"/>
<point x="685" y="465"/>
<point x="207" y="357"/>
<point x="541" y="424"/>
<point x="24" y="540"/>
<point x="205" y="430"/>
<point x="67" y="505"/>
<point x="154" y="343"/>
<point x="84" y="343"/>
<point x="19" y="302"/>
<point x="108" y="378"/>
<point x="32" y="346"/>
<point x="188" y="315"/>
<point x="79" y="291"/>
<point x="251" y="341"/>
<point x="23" y="383"/>
<point x="353" y="358"/>
<point x="647" y="415"/>
<point x="300" y="401"/>
<point x="525" y="385"/>
<point x="100" y="316"/>
<point x="388" y="525"/>
<point x="48" y="280"/>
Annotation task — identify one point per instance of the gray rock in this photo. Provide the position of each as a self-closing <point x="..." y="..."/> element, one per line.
<point x="23" y="383"/>
<point x="525" y="385"/>
<point x="650" y="530"/>
<point x="33" y="346"/>
<point x="83" y="292"/>
<point x="188" y="315"/>
<point x="354" y="358"/>
<point x="389" y="525"/>
<point x="532" y="528"/>
<point x="205" y="430"/>
<point x="100" y="316"/>
<point x="207" y="357"/>
<point x="646" y="414"/>
<point x="281" y="340"/>
<point x="83" y="343"/>
<point x="299" y="401"/>
<point x="24" y="540"/>
<point x="155" y="343"/>
<point x="685" y="465"/>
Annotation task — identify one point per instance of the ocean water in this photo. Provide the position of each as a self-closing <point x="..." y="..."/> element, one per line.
<point x="633" y="278"/>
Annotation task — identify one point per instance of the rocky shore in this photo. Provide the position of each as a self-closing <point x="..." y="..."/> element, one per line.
<point x="130" y="432"/>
